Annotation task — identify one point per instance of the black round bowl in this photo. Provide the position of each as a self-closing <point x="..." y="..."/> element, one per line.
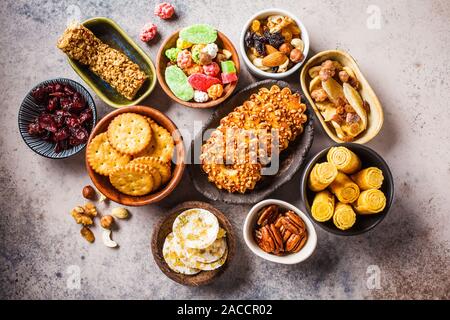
<point x="30" y="109"/>
<point x="369" y="158"/>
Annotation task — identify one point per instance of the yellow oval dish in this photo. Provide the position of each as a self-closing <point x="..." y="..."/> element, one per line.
<point x="112" y="34"/>
<point x="375" y="116"/>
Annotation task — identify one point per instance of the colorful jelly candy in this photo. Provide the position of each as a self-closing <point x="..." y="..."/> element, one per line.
<point x="164" y="10"/>
<point x="215" y="91"/>
<point x="205" y="59"/>
<point x="183" y="44"/>
<point x="196" y="50"/>
<point x="211" y="69"/>
<point x="178" y="83"/>
<point x="184" y="59"/>
<point x="195" y="68"/>
<point x="200" y="96"/>
<point x="229" y="77"/>
<point x="202" y="82"/>
<point x="172" y="54"/>
<point x="148" y="32"/>
<point x="211" y="49"/>
<point x="199" y="33"/>
<point x="228" y="66"/>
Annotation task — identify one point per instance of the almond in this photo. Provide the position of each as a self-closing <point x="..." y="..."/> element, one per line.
<point x="270" y="49"/>
<point x="274" y="59"/>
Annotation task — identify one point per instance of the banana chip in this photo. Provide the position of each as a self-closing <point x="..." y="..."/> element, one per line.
<point x="353" y="97"/>
<point x="333" y="89"/>
<point x="315" y="83"/>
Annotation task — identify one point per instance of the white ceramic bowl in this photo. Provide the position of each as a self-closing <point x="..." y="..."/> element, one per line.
<point x="263" y="74"/>
<point x="249" y="227"/>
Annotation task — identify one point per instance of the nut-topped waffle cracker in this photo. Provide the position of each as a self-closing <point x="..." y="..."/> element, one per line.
<point x="129" y="133"/>
<point x="102" y="157"/>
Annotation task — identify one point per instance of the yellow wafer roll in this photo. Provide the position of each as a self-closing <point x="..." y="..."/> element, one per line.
<point x="321" y="176"/>
<point x="344" y="159"/>
<point x="323" y="206"/>
<point x="371" y="201"/>
<point x="344" y="188"/>
<point x="369" y="178"/>
<point x="344" y="217"/>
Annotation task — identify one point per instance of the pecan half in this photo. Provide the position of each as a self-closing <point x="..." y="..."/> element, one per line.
<point x="267" y="243"/>
<point x="277" y="237"/>
<point x="267" y="215"/>
<point x="289" y="225"/>
<point x="295" y="219"/>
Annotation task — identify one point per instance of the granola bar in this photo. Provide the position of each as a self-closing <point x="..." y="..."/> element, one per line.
<point x="114" y="67"/>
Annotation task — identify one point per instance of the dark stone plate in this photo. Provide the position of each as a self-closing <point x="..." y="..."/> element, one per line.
<point x="291" y="159"/>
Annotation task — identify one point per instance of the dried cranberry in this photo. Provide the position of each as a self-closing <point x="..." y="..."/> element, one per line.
<point x="72" y="121"/>
<point x="78" y="102"/>
<point x="61" y="146"/>
<point x="47" y="122"/>
<point x="78" y="136"/>
<point x="68" y="89"/>
<point x="57" y="94"/>
<point x="34" y="128"/>
<point x="85" y="116"/>
<point x="66" y="103"/>
<point x="40" y="94"/>
<point x="52" y="104"/>
<point x="47" y="136"/>
<point x="62" y="134"/>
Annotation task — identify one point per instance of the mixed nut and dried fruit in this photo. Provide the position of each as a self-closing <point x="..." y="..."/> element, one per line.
<point x="65" y="118"/>
<point x="335" y="91"/>
<point x="274" y="44"/>
<point x="198" y="69"/>
<point x="279" y="231"/>
<point x="85" y="215"/>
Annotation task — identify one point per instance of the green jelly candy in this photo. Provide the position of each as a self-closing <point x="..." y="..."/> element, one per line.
<point x="228" y="66"/>
<point x="183" y="44"/>
<point x="172" y="54"/>
<point x="199" y="33"/>
<point x="178" y="83"/>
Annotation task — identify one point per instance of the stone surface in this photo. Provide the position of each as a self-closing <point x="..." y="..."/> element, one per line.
<point x="405" y="60"/>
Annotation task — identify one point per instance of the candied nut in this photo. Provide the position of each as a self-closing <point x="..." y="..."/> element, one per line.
<point x="286" y="48"/>
<point x="344" y="76"/>
<point x="327" y="71"/>
<point x="366" y="106"/>
<point x="319" y="95"/>
<point x="120" y="213"/>
<point x="87" y="234"/>
<point x="349" y="109"/>
<point x="89" y="193"/>
<point x="267" y="215"/>
<point x="106" y="221"/>
<point x="296" y="55"/>
<point x="340" y="110"/>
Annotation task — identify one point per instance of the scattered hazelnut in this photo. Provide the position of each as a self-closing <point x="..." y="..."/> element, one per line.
<point x="286" y="48"/>
<point x="89" y="192"/>
<point x="107" y="221"/>
<point x="296" y="55"/>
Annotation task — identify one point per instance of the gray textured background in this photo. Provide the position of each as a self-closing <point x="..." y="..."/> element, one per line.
<point x="406" y="61"/>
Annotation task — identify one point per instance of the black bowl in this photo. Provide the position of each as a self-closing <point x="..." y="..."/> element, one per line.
<point x="30" y="109"/>
<point x="369" y="158"/>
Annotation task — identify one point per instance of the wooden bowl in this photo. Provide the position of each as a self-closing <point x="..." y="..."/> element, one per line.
<point x="376" y="117"/>
<point x="161" y="63"/>
<point x="178" y="163"/>
<point x="164" y="227"/>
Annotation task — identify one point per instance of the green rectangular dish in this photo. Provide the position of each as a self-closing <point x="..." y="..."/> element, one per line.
<point x="110" y="33"/>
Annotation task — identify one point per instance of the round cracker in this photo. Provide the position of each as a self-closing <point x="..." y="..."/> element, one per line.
<point x="102" y="157"/>
<point x="162" y="143"/>
<point x="129" y="133"/>
<point x="206" y="266"/>
<point x="208" y="255"/>
<point x="132" y="179"/>
<point x="196" y="228"/>
<point x="171" y="253"/>
<point x="162" y="167"/>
